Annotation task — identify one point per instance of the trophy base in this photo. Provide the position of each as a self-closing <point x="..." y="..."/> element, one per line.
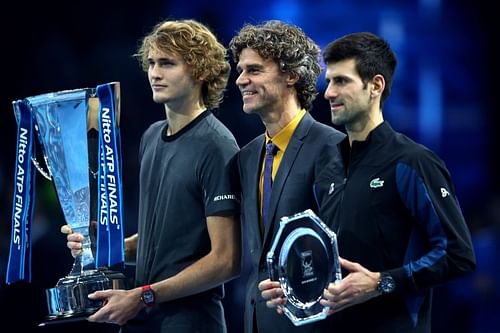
<point x="50" y="320"/>
<point x="299" y="317"/>
<point x="68" y="301"/>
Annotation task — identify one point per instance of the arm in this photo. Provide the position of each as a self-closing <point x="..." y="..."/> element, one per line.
<point x="130" y="248"/>
<point x="428" y="193"/>
<point x="219" y="265"/>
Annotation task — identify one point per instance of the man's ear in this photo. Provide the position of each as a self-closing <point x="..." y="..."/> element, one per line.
<point x="377" y="86"/>
<point x="292" y="79"/>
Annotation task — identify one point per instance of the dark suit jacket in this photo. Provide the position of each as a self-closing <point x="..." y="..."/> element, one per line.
<point x="312" y="145"/>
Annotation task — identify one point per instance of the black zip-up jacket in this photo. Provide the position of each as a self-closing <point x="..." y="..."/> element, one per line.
<point x="393" y="207"/>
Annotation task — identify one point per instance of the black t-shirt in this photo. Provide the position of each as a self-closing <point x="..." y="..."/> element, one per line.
<point x="183" y="179"/>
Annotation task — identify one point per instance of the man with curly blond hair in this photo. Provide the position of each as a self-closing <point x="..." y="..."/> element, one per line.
<point x="278" y="67"/>
<point x="188" y="240"/>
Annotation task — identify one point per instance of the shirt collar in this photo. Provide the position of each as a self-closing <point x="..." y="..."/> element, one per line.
<point x="282" y="138"/>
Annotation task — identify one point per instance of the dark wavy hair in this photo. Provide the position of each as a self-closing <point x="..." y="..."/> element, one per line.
<point x="289" y="47"/>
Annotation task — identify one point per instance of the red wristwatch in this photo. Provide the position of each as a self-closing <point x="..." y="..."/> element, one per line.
<point x="148" y="296"/>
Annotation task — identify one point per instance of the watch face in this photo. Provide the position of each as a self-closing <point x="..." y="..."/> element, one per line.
<point x="386" y="284"/>
<point x="148" y="297"/>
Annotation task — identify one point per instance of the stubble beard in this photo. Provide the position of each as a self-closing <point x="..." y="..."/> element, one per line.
<point x="340" y="118"/>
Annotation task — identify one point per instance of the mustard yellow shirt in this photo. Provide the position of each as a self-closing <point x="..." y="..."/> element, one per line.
<point x="281" y="140"/>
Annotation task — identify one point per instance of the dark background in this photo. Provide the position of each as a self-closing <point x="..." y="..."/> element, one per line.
<point x="443" y="96"/>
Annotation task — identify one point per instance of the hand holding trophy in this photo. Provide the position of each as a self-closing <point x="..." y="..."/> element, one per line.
<point x="79" y="136"/>
<point x="304" y="259"/>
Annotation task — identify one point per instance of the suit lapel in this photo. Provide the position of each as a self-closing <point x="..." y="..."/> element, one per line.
<point x="287" y="162"/>
<point x="253" y="179"/>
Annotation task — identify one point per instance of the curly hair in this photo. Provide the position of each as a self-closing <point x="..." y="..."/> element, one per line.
<point x="289" y="47"/>
<point x="199" y="48"/>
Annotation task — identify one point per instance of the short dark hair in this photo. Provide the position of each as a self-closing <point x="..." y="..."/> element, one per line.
<point x="372" y="54"/>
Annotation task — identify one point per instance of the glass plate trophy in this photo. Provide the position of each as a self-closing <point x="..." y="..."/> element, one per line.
<point x="79" y="139"/>
<point x="304" y="259"/>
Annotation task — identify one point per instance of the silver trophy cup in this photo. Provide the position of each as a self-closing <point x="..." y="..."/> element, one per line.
<point x="304" y="259"/>
<point x="67" y="127"/>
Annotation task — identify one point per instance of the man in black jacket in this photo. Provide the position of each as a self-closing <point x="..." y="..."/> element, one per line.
<point x="399" y="226"/>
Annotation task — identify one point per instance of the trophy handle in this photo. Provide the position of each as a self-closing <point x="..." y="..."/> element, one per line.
<point x="46" y="174"/>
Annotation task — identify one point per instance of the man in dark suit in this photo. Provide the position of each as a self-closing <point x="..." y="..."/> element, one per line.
<point x="278" y="67"/>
